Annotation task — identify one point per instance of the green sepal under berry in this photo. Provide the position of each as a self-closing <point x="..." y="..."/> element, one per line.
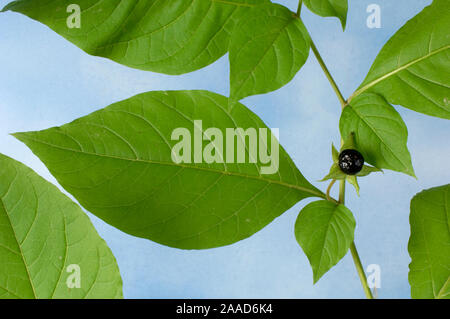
<point x="366" y="170"/>
<point x="349" y="142"/>
<point x="336" y="173"/>
<point x="334" y="154"/>
<point x="353" y="179"/>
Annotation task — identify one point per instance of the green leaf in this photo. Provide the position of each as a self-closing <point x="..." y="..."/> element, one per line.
<point x="172" y="37"/>
<point x="329" y="8"/>
<point x="380" y="133"/>
<point x="117" y="162"/>
<point x="429" y="244"/>
<point x="412" y="68"/>
<point x="44" y="237"/>
<point x="267" y="49"/>
<point x="325" y="232"/>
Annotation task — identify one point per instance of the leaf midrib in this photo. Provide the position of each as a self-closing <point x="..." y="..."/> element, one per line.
<point x="324" y="242"/>
<point x="395" y="71"/>
<point x="297" y="187"/>
<point x="361" y="117"/>
<point x="237" y="4"/>
<point x="442" y="291"/>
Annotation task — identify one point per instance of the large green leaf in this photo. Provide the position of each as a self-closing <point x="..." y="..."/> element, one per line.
<point x="171" y="37"/>
<point x="329" y="8"/>
<point x="380" y="133"/>
<point x="43" y="233"/>
<point x="325" y="232"/>
<point x="429" y="244"/>
<point x="413" y="67"/>
<point x="267" y="49"/>
<point x="118" y="164"/>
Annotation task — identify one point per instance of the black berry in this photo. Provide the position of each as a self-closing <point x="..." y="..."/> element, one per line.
<point x="351" y="162"/>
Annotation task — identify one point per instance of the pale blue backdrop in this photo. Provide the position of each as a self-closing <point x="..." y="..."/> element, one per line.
<point x="46" y="81"/>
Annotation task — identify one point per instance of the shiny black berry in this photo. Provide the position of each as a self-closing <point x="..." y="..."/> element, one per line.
<point x="351" y="162"/>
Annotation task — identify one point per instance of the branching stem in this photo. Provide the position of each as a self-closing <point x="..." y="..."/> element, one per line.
<point x="343" y="101"/>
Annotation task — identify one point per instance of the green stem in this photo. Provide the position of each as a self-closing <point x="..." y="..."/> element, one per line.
<point x="299" y="9"/>
<point x="342" y="192"/>
<point x="328" y="75"/>
<point x="354" y="251"/>
<point x="355" y="255"/>
<point x="360" y="270"/>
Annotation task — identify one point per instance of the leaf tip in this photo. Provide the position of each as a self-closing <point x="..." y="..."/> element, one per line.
<point x="18" y="135"/>
<point x="316" y="277"/>
<point x="344" y="23"/>
<point x="410" y="171"/>
<point x="21" y="136"/>
<point x="9" y="6"/>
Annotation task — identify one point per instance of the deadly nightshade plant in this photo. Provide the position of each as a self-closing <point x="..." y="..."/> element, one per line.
<point x="117" y="162"/>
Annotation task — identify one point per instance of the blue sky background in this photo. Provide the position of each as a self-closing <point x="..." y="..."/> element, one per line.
<point x="46" y="81"/>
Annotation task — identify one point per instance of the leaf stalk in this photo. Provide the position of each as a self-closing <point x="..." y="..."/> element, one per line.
<point x="329" y="190"/>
